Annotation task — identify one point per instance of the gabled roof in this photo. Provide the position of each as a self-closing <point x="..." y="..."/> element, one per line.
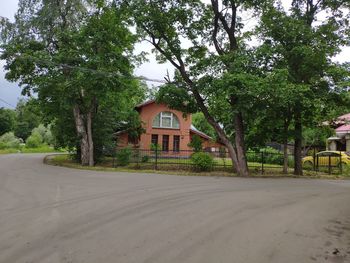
<point x="144" y="104"/>
<point x="343" y="128"/>
<point x="198" y="132"/>
<point x="192" y="129"/>
<point x="345" y="117"/>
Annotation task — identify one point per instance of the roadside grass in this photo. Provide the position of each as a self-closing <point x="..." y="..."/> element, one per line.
<point x="40" y="149"/>
<point x="224" y="162"/>
<point x="65" y="160"/>
<point x="7" y="151"/>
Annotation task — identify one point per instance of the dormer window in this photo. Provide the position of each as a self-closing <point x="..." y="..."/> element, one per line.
<point x="167" y="120"/>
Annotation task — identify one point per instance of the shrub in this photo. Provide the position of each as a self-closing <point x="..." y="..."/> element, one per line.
<point x="9" y="140"/>
<point x="271" y="156"/>
<point x="34" y="141"/>
<point x="45" y="134"/>
<point x="145" y="159"/>
<point x="123" y="156"/>
<point x="202" y="161"/>
<point x="196" y="143"/>
<point x="155" y="147"/>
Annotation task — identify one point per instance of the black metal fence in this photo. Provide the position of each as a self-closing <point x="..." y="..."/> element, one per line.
<point x="262" y="162"/>
<point x="258" y="161"/>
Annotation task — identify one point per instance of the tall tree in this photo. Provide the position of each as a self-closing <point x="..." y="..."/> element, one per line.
<point x="304" y="46"/>
<point x="204" y="43"/>
<point x="7" y="120"/>
<point x="28" y="116"/>
<point x="77" y="55"/>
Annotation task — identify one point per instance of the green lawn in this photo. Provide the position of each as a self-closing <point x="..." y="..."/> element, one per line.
<point x="255" y="168"/>
<point x="41" y="149"/>
<point x="187" y="161"/>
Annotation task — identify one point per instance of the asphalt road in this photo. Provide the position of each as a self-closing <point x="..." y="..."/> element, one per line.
<point x="55" y="214"/>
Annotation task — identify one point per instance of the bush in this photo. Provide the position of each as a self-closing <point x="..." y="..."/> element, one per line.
<point x="145" y="159"/>
<point x="9" y="140"/>
<point x="196" y="143"/>
<point x="202" y="161"/>
<point x="155" y="147"/>
<point x="271" y="156"/>
<point x="123" y="156"/>
<point x="34" y="141"/>
<point x="45" y="134"/>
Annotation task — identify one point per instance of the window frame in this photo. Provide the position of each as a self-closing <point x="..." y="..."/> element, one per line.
<point x="153" y="137"/>
<point x="173" y="117"/>
<point x="165" y="144"/>
<point x="176" y="143"/>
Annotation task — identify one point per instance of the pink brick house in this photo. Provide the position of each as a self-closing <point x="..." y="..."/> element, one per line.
<point x="168" y="128"/>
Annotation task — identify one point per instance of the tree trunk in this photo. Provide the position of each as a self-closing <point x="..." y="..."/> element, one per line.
<point x="285" y="156"/>
<point x="90" y="140"/>
<point x="240" y="147"/>
<point x="82" y="134"/>
<point x="298" y="169"/>
<point x="221" y="133"/>
<point x="285" y="147"/>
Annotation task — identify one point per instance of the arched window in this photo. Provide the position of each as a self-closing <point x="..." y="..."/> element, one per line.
<point x="166" y="119"/>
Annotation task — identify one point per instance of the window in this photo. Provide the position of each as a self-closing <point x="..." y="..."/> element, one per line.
<point x="166" y="119"/>
<point x="165" y="143"/>
<point x="133" y="139"/>
<point x="154" y="139"/>
<point x="176" y="143"/>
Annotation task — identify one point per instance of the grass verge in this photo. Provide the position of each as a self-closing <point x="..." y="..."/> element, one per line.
<point x="41" y="149"/>
<point x="65" y="160"/>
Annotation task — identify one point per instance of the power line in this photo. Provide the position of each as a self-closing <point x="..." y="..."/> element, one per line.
<point x="94" y="71"/>
<point x="7" y="103"/>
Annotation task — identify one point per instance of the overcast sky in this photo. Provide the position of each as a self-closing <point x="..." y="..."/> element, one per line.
<point x="10" y="92"/>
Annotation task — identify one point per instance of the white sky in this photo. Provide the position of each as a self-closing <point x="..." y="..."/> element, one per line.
<point x="10" y="92"/>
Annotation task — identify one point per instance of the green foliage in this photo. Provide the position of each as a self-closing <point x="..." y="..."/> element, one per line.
<point x="268" y="155"/>
<point x="28" y="116"/>
<point x="317" y="135"/>
<point x="155" y="147"/>
<point x="34" y="140"/>
<point x="196" y="143"/>
<point x="7" y="120"/>
<point x="145" y="159"/>
<point x="176" y="98"/>
<point x="9" y="141"/>
<point x="123" y="156"/>
<point x="68" y="72"/>
<point x="202" y="161"/>
<point x="45" y="133"/>
<point x="41" y="149"/>
<point x="201" y="123"/>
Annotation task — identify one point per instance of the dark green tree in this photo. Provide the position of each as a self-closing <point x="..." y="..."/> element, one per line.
<point x="7" y="120"/>
<point x="77" y="55"/>
<point x="28" y="116"/>
<point x="303" y="46"/>
<point x="206" y="45"/>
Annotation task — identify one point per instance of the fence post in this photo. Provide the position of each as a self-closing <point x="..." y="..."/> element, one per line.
<point x="262" y="162"/>
<point x="329" y="164"/>
<point x="314" y="157"/>
<point x="156" y="165"/>
<point x="340" y="163"/>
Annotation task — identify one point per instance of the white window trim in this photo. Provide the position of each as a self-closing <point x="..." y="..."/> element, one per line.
<point x="171" y="117"/>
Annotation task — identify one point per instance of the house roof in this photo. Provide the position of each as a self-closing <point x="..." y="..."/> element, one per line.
<point x="198" y="132"/>
<point x="343" y="128"/>
<point x="345" y="117"/>
<point x="192" y="129"/>
<point x="144" y="104"/>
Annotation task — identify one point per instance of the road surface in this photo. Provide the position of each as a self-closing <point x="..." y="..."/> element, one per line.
<point x="56" y="214"/>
